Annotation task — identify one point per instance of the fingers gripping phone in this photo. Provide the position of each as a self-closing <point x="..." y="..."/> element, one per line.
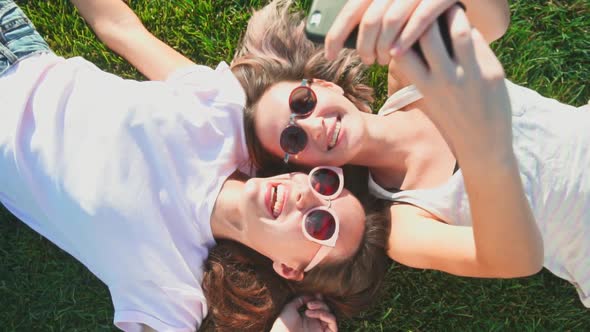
<point x="323" y="13"/>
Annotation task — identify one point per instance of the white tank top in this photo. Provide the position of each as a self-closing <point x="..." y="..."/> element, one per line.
<point x="552" y="144"/>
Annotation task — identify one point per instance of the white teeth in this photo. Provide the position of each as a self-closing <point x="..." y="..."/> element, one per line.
<point x="335" y="135"/>
<point x="277" y="207"/>
<point x="273" y="197"/>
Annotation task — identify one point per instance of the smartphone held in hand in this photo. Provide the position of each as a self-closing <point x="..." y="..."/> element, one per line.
<point x="323" y="13"/>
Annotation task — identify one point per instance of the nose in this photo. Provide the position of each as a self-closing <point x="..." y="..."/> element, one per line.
<point x="313" y="126"/>
<point x="304" y="198"/>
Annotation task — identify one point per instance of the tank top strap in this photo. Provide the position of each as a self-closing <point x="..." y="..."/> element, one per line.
<point x="400" y="99"/>
<point x="383" y="193"/>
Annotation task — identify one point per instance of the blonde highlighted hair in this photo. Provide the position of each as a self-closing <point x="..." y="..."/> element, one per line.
<point x="274" y="49"/>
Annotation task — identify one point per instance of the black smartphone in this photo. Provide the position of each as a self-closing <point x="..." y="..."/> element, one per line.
<point x="321" y="17"/>
<point x="322" y="14"/>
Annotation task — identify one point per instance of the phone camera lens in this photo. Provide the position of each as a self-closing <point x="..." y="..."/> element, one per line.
<point x="315" y="19"/>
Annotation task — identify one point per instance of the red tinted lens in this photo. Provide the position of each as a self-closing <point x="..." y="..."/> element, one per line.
<point x="325" y="181"/>
<point x="293" y="139"/>
<point x="320" y="225"/>
<point x="302" y="101"/>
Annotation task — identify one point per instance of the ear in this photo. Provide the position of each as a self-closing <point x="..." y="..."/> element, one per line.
<point x="327" y="84"/>
<point x="287" y="272"/>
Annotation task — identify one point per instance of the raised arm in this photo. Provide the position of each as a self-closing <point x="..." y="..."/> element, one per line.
<point x="468" y="102"/>
<point x="120" y="29"/>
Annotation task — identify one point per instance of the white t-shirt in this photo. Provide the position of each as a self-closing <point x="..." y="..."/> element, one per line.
<point x="123" y="175"/>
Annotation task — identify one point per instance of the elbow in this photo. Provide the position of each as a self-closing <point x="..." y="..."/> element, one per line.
<point x="503" y="26"/>
<point x="511" y="271"/>
<point x="529" y="264"/>
<point x="527" y="269"/>
<point x="516" y="264"/>
<point x="502" y="23"/>
<point x="536" y="260"/>
<point x="535" y="256"/>
<point x="496" y="26"/>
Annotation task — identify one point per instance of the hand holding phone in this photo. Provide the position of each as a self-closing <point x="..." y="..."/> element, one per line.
<point x="323" y="14"/>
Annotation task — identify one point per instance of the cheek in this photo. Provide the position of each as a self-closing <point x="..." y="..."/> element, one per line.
<point x="296" y="251"/>
<point x="268" y="138"/>
<point x="275" y="241"/>
<point x="289" y="230"/>
<point x="250" y="188"/>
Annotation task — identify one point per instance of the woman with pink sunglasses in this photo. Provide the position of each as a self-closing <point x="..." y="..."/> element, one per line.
<point x="139" y="181"/>
<point x="487" y="178"/>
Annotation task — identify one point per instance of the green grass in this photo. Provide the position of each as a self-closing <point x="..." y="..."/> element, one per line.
<point x="547" y="48"/>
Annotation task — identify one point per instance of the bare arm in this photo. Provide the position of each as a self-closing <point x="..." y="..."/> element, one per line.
<point x="468" y="101"/>
<point x="121" y="30"/>
<point x="497" y="246"/>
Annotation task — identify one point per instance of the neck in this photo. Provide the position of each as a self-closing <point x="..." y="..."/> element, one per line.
<point x="389" y="141"/>
<point x="405" y="149"/>
<point x="226" y="219"/>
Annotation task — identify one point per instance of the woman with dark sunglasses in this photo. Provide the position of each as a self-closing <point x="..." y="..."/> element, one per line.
<point x="139" y="180"/>
<point x="461" y="147"/>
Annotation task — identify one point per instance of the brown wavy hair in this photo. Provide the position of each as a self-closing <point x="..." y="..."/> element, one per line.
<point x="244" y="293"/>
<point x="274" y="49"/>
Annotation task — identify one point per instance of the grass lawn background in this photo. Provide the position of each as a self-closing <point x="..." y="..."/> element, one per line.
<point x="546" y="48"/>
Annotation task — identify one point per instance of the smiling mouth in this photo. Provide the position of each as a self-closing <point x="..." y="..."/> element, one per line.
<point x="277" y="199"/>
<point x="335" y="134"/>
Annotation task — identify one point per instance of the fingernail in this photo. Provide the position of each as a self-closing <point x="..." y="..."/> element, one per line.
<point x="395" y="51"/>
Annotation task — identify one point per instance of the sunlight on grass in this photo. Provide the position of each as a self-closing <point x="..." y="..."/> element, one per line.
<point x="547" y="48"/>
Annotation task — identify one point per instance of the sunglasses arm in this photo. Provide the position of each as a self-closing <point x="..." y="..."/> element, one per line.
<point x="319" y="256"/>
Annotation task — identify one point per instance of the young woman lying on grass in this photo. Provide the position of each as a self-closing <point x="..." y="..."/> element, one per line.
<point x="487" y="178"/>
<point x="138" y="181"/>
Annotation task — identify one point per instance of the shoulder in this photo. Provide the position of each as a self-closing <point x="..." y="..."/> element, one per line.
<point x="411" y="213"/>
<point x="219" y="84"/>
<point x="147" y="305"/>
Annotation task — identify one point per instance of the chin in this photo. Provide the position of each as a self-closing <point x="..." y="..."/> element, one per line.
<point x="251" y="187"/>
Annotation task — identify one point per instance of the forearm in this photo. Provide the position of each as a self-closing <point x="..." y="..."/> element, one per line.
<point x="506" y="236"/>
<point x="111" y="20"/>
<point x="490" y="17"/>
<point x="120" y="29"/>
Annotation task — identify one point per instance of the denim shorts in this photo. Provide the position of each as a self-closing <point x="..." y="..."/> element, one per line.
<point x="18" y="37"/>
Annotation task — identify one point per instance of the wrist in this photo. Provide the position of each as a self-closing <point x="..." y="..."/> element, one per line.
<point x="279" y="326"/>
<point x="482" y="163"/>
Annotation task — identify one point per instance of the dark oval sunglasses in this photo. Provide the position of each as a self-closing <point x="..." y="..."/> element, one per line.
<point x="302" y="102"/>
